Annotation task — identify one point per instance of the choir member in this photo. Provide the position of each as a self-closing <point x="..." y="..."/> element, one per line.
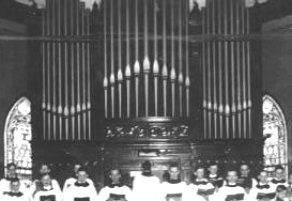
<point x="37" y="184"/>
<point x="231" y="191"/>
<point x="116" y="189"/>
<point x="214" y="177"/>
<point x="146" y="186"/>
<point x="14" y="194"/>
<point x="245" y="180"/>
<point x="281" y="193"/>
<point x="47" y="191"/>
<point x="70" y="181"/>
<point x="5" y="182"/>
<point x="201" y="187"/>
<point x="81" y="190"/>
<point x="173" y="188"/>
<point x="264" y="189"/>
<point x="279" y="178"/>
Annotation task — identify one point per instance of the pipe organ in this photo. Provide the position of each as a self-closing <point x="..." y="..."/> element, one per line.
<point x="175" y="83"/>
<point x="66" y="99"/>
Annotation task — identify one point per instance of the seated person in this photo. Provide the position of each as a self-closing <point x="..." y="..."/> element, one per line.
<point x="70" y="181"/>
<point x="47" y="192"/>
<point x="213" y="176"/>
<point x="279" y="178"/>
<point x="281" y="193"/>
<point x="115" y="190"/>
<point x="146" y="186"/>
<point x="81" y="190"/>
<point x="231" y="191"/>
<point x="201" y="187"/>
<point x="173" y="188"/>
<point x="37" y="183"/>
<point x="264" y="189"/>
<point x="14" y="194"/>
<point x="245" y="180"/>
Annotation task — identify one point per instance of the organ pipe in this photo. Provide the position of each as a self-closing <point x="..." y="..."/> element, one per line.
<point x="112" y="75"/>
<point x="54" y="74"/>
<point x="172" y="71"/>
<point x="220" y="72"/>
<point x="49" y="77"/>
<point x="146" y="61"/>
<point x="155" y="63"/>
<point x="214" y="68"/>
<point x="60" y="74"/>
<point x="204" y="74"/>
<point x="44" y="69"/>
<point x="78" y="47"/>
<point x="105" y="78"/>
<point x="137" y="63"/>
<point x="120" y="73"/>
<point x="164" y="68"/>
<point x="66" y="70"/>
<point x="226" y="77"/>
<point x="187" y="79"/>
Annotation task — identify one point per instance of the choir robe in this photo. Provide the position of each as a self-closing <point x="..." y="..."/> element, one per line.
<point x="80" y="192"/>
<point x="11" y="196"/>
<point x="229" y="190"/>
<point x="114" y="192"/>
<point x="262" y="189"/>
<point x="278" y="182"/>
<point x="146" y="188"/>
<point x="24" y="186"/>
<point x="247" y="182"/>
<point x="35" y="187"/>
<point x="200" y="185"/>
<point x="70" y="181"/>
<point x="174" y="191"/>
<point x="48" y="194"/>
<point x="216" y="180"/>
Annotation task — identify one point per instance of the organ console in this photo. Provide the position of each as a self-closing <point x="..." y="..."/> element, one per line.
<point x="151" y="81"/>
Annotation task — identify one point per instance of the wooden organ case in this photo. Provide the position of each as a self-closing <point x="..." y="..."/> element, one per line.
<point x="158" y="80"/>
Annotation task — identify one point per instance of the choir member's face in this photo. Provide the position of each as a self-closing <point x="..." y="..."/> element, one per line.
<point x="45" y="169"/>
<point x="174" y="172"/>
<point x="244" y="170"/>
<point x="46" y="180"/>
<point x="232" y="176"/>
<point x="263" y="177"/>
<point x="82" y="176"/>
<point x="115" y="176"/>
<point x="213" y="169"/>
<point x="282" y="195"/>
<point x="279" y="173"/>
<point x="11" y="172"/>
<point x="15" y="186"/>
<point x="200" y="173"/>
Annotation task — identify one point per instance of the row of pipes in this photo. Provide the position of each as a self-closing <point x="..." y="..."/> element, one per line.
<point x="146" y="58"/>
<point x="66" y="101"/>
<point x="226" y="70"/>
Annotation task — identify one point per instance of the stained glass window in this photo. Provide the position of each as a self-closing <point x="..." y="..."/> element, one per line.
<point x="17" y="138"/>
<point x="275" y="134"/>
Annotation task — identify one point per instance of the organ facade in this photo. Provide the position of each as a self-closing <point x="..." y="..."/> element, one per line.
<point x="159" y="80"/>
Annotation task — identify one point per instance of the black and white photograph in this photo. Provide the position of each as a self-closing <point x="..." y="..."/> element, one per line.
<point x="145" y="100"/>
